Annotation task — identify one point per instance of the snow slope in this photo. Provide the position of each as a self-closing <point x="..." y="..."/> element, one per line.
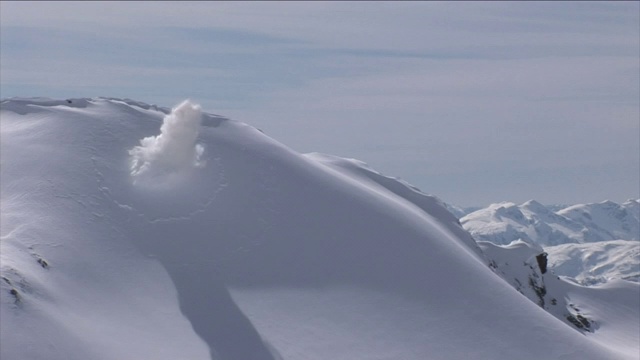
<point x="131" y="233"/>
<point x="533" y="222"/>
<point x="607" y="313"/>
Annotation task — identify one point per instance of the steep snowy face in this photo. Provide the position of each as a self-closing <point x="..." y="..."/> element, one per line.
<point x="525" y="267"/>
<point x="604" y="312"/>
<point x="533" y="222"/>
<point x="131" y="231"/>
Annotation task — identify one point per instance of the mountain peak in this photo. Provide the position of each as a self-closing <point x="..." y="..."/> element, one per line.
<point x="535" y="206"/>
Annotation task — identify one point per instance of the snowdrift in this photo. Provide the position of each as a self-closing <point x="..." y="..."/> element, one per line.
<point x="233" y="246"/>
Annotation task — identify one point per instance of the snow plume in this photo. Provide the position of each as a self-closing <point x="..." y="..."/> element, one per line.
<point x="173" y="151"/>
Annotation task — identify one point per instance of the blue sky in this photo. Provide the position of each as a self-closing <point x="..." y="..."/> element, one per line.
<point x="473" y="102"/>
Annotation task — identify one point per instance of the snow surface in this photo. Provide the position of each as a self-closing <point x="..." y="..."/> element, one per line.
<point x="244" y="249"/>
<point x="606" y="313"/>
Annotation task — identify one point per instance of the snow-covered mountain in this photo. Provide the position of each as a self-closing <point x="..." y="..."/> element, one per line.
<point x="130" y="231"/>
<point x="599" y="262"/>
<point x="459" y="211"/>
<point x="525" y="266"/>
<point x="533" y="222"/>
<point x="607" y="220"/>
<point x="588" y="243"/>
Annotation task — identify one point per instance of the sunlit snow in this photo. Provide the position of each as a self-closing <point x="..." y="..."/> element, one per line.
<point x="209" y="240"/>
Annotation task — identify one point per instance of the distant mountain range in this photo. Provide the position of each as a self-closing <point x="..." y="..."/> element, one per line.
<point x="504" y="222"/>
<point x="587" y="243"/>
<point x="595" y="263"/>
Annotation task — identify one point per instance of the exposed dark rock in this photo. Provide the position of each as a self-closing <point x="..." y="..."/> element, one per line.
<point x="572" y="319"/>
<point x="43" y="263"/>
<point x="578" y="320"/>
<point x="542" y="262"/>
<point x="584" y="321"/>
<point x="493" y="265"/>
<point x="541" y="291"/>
<point x="15" y="294"/>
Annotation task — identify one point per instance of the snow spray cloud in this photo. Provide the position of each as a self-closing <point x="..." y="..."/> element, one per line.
<point x="174" y="151"/>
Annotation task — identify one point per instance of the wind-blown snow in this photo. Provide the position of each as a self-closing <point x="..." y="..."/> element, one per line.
<point x="172" y="151"/>
<point x="261" y="254"/>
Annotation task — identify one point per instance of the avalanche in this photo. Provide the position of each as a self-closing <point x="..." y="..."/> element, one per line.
<point x="234" y="246"/>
